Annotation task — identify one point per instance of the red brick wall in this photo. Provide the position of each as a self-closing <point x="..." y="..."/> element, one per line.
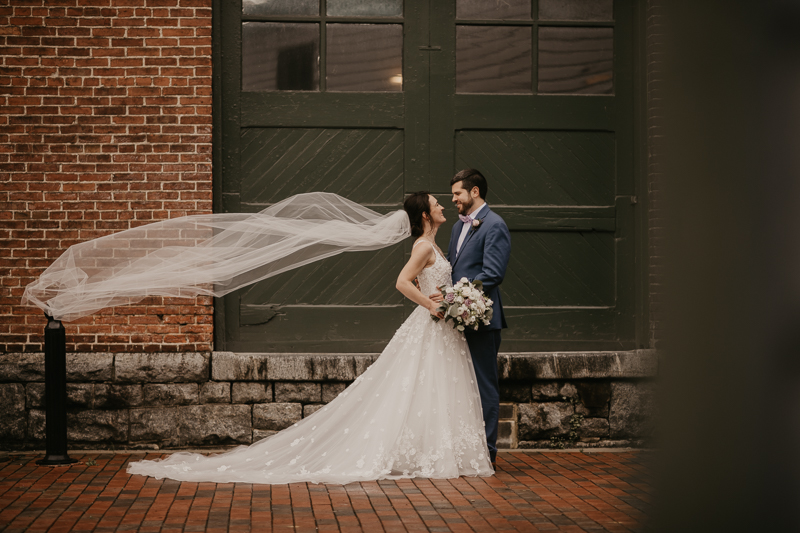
<point x="105" y="124"/>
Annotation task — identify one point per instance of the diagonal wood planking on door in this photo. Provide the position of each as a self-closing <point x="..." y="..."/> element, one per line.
<point x="364" y="165"/>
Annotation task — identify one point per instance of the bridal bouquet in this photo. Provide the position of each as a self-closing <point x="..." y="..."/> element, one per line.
<point x="465" y="304"/>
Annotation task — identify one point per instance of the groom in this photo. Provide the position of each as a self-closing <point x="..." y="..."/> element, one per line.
<point x="480" y="245"/>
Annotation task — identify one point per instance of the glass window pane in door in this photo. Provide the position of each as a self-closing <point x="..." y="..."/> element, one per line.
<point x="365" y="57"/>
<point x="280" y="7"/>
<point x="576" y="60"/>
<point x="493" y="59"/>
<point x="493" y="9"/>
<point x="365" y="8"/>
<point x="280" y="57"/>
<point x="576" y="9"/>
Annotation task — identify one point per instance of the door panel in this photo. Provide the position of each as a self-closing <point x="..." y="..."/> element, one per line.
<point x="552" y="165"/>
<point x="334" y="304"/>
<point x="554" y="269"/>
<point x="358" y="278"/>
<point x="364" y="165"/>
<point x="542" y="167"/>
<point x="560" y="166"/>
<point x="331" y="305"/>
<point x="328" y="113"/>
<point x="317" y="328"/>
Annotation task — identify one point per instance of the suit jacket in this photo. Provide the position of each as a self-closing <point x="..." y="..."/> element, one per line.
<point x="484" y="256"/>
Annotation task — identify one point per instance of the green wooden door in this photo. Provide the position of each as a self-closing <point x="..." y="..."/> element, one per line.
<point x="373" y="99"/>
<point x="539" y="97"/>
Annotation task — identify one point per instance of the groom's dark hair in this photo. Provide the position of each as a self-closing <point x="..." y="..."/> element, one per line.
<point x="469" y="179"/>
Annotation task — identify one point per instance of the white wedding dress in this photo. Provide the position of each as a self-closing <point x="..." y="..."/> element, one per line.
<point x="415" y="412"/>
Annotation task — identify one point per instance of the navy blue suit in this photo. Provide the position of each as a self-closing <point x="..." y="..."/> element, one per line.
<point x="484" y="256"/>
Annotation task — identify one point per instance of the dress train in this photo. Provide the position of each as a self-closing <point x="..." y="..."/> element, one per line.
<point x="414" y="413"/>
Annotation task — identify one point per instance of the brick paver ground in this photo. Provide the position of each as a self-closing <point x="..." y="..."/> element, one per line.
<point x="532" y="491"/>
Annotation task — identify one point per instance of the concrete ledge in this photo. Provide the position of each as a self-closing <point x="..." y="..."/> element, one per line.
<point x="28" y="367"/>
<point x="161" y="368"/>
<point x="578" y="365"/>
<point x="231" y="366"/>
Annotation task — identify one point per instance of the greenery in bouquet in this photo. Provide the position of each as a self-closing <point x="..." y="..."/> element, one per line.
<point x="465" y="305"/>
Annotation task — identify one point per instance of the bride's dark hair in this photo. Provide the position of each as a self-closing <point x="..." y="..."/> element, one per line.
<point x="416" y="205"/>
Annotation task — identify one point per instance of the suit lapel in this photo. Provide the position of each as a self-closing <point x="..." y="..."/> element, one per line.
<point x="451" y="250"/>
<point x="470" y="233"/>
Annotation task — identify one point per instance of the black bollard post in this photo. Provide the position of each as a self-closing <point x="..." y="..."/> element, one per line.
<point x="55" y="390"/>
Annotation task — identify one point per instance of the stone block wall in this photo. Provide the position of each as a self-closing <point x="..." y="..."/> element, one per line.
<point x="597" y="399"/>
<point x="153" y="401"/>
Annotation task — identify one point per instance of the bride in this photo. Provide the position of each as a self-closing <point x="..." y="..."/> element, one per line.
<point x="414" y="413"/>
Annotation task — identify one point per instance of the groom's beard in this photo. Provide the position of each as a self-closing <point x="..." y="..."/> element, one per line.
<point x="464" y="207"/>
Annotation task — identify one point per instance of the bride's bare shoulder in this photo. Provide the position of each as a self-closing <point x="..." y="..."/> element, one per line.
<point x="426" y="252"/>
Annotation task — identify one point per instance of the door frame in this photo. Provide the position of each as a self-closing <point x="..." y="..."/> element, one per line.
<point x="632" y="194"/>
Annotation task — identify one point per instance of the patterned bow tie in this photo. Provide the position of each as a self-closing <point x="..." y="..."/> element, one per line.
<point x="464" y="218"/>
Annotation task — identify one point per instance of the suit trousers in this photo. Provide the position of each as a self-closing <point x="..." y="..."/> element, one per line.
<point x="483" y="347"/>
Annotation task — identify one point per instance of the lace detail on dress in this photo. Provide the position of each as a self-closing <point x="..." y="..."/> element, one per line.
<point x="414" y="413"/>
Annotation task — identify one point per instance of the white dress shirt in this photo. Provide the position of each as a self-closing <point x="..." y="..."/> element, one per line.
<point x="466" y="227"/>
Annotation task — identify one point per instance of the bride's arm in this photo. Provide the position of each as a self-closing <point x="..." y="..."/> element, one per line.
<point x="420" y="257"/>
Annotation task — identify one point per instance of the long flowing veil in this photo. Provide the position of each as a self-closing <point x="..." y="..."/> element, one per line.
<point x="209" y="254"/>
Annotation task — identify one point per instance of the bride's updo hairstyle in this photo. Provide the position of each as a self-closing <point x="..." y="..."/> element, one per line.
<point x="416" y="205"/>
